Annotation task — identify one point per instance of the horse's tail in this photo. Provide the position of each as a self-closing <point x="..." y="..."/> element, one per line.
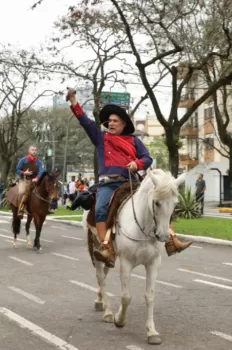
<point x="91" y="245"/>
<point x="16" y="222"/>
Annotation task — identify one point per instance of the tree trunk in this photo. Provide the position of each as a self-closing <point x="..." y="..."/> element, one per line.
<point x="172" y="139"/>
<point x="5" y="168"/>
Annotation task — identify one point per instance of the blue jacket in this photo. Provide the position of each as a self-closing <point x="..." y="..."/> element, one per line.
<point x="26" y="160"/>
<point x="114" y="152"/>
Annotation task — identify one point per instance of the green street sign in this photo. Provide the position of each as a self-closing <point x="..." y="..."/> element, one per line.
<point x="121" y="99"/>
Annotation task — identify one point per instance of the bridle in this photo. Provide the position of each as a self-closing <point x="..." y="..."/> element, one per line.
<point x="153" y="230"/>
<point x="40" y="197"/>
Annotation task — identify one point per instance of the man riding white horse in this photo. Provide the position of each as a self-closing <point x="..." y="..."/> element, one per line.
<point x="118" y="153"/>
<point x="30" y="169"/>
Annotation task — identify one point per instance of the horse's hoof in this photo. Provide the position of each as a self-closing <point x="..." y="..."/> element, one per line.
<point x="154" y="339"/>
<point x="109" y="318"/>
<point x="117" y="324"/>
<point x="29" y="245"/>
<point x="98" y="305"/>
<point x="39" y="251"/>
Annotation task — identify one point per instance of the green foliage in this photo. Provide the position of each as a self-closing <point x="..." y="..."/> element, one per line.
<point x="159" y="151"/>
<point x="187" y="206"/>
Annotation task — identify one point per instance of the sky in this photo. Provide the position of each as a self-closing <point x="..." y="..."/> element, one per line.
<point x="24" y="28"/>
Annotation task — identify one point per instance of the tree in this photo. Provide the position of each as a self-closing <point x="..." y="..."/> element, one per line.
<point x="172" y="35"/>
<point x="18" y="94"/>
<point x="159" y="151"/>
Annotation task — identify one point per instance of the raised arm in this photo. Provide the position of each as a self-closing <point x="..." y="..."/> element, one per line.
<point x="91" y="128"/>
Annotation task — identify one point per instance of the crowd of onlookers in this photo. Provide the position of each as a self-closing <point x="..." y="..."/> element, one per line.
<point x="76" y="185"/>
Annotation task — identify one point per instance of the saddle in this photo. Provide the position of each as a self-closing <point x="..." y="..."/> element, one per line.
<point x="12" y="196"/>
<point x="118" y="199"/>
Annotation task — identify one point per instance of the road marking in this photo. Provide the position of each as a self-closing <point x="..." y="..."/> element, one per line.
<point x="86" y="286"/>
<point x="222" y="335"/>
<point x="205" y="275"/>
<point x="60" y="228"/>
<point x="229" y="264"/>
<point x="79" y="239"/>
<point x="23" y="240"/>
<point x="65" y="256"/>
<point x="36" y="330"/>
<point x="222" y="286"/>
<point x="196" y="246"/>
<point x="19" y="260"/>
<point x="157" y="281"/>
<point x="4" y="230"/>
<point x="27" y="295"/>
<point x="32" y="229"/>
<point x="18" y="239"/>
<point x="133" y="347"/>
<point x="45" y="240"/>
<point x="4" y="222"/>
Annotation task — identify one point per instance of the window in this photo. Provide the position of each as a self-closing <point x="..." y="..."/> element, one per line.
<point x="209" y="142"/>
<point x="208" y="113"/>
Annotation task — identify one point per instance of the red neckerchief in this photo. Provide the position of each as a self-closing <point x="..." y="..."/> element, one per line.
<point x="31" y="160"/>
<point x="122" y="144"/>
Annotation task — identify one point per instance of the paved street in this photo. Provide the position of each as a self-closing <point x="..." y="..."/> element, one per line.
<point x="47" y="300"/>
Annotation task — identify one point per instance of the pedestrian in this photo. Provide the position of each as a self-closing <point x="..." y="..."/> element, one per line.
<point x="91" y="181"/>
<point x="200" y="192"/>
<point x="119" y="153"/>
<point x="71" y="190"/>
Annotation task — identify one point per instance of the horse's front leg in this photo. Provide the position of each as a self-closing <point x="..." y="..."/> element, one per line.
<point x="38" y="226"/>
<point x="27" y="227"/>
<point x="152" y="271"/>
<point x="102" y="301"/>
<point x="125" y="271"/>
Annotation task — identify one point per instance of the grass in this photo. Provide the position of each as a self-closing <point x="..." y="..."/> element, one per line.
<point x="73" y="218"/>
<point x="63" y="211"/>
<point x="208" y="227"/>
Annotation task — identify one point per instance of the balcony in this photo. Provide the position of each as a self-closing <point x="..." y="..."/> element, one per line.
<point x="187" y="100"/>
<point x="189" y="130"/>
<point x="187" y="161"/>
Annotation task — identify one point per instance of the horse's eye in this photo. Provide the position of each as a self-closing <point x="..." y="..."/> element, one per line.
<point x="157" y="204"/>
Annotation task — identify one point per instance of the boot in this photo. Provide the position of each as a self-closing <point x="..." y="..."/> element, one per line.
<point x="106" y="252"/>
<point x="174" y="245"/>
<point x="21" y="209"/>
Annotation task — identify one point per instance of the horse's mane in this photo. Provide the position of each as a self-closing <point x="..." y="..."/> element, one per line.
<point x="51" y="177"/>
<point x="166" y="186"/>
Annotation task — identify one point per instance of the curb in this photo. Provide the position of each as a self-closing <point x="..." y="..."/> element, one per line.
<point x="203" y="239"/>
<point x="200" y="239"/>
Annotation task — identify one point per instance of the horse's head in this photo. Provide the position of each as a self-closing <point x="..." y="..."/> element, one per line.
<point x="52" y="187"/>
<point x="164" y="197"/>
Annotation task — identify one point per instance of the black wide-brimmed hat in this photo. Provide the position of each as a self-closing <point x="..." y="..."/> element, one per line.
<point x="110" y="109"/>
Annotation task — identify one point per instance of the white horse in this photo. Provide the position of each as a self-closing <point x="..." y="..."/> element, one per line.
<point x="139" y="244"/>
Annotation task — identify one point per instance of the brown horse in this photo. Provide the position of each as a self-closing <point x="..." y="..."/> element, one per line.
<point x="37" y="207"/>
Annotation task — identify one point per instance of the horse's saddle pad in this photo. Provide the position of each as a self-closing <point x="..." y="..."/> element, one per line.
<point x="119" y="196"/>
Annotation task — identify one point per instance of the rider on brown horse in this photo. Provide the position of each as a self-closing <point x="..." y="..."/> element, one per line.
<point x="30" y="169"/>
<point x="118" y="151"/>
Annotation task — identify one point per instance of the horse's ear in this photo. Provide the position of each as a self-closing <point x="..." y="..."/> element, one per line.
<point x="180" y="179"/>
<point x="153" y="178"/>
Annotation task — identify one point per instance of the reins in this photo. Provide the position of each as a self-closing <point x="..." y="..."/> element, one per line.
<point x="134" y="213"/>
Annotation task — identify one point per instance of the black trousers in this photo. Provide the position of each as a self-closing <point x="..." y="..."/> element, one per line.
<point x="200" y="199"/>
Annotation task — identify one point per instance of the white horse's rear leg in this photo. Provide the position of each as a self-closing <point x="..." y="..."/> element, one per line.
<point x="102" y="302"/>
<point x="152" y="271"/>
<point x="125" y="271"/>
